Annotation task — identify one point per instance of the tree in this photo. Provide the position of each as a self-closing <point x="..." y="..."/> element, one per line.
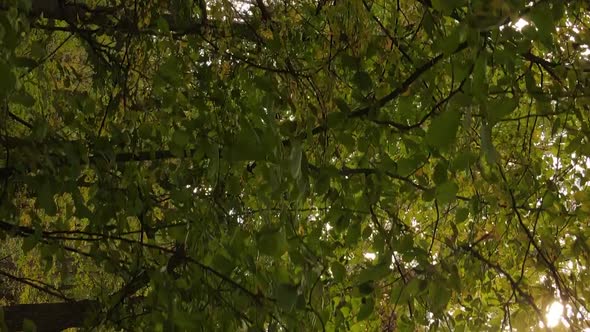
<point x="296" y="165"/>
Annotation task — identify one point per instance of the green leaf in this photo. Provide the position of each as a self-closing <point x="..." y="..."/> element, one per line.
<point x="354" y="233"/>
<point x="464" y="160"/>
<point x="429" y="195"/>
<point x="170" y="71"/>
<point x="531" y="84"/>
<point x="366" y="309"/>
<point x="440" y="294"/>
<point x="440" y="173"/>
<point x="29" y="326"/>
<point x="46" y="200"/>
<point x="295" y="159"/>
<point x="407" y="166"/>
<point x="3" y="326"/>
<point x="342" y="105"/>
<point x="461" y="215"/>
<point x="349" y="62"/>
<point x="38" y="49"/>
<point x="286" y="296"/>
<point x="572" y="79"/>
<point x="264" y="83"/>
<point x="374" y="273"/>
<point x="25" y="5"/>
<point x="542" y="17"/>
<point x="40" y="129"/>
<point x="213" y="165"/>
<point x="221" y="263"/>
<point x="445" y="6"/>
<point x="178" y="233"/>
<point x="446" y="192"/>
<point x="180" y="137"/>
<point x="367" y="232"/>
<point x="25" y="62"/>
<point x="362" y="80"/>
<point x="29" y="243"/>
<point x="23" y="98"/>
<point x="442" y="132"/>
<point x="450" y="43"/>
<point x="556" y="127"/>
<point x="405" y="104"/>
<point x="500" y="108"/>
<point x="163" y="25"/>
<point x="338" y="271"/>
<point x="487" y="146"/>
<point x="479" y="83"/>
<point x="272" y="243"/>
<point x="8" y="80"/>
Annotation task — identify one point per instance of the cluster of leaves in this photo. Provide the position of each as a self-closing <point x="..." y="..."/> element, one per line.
<point x="299" y="165"/>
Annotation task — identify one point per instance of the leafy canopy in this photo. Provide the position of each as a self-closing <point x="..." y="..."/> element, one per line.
<point x="299" y="165"/>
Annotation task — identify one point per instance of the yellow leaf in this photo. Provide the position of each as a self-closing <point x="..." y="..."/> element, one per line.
<point x="266" y="33"/>
<point x="582" y="196"/>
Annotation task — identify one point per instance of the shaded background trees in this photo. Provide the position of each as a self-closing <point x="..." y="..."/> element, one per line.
<point x="298" y="165"/>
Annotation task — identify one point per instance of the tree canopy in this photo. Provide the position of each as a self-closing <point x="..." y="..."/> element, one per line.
<point x="295" y="165"/>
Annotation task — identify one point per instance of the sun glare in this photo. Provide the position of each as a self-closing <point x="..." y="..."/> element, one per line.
<point x="554" y="314"/>
<point x="370" y="256"/>
<point x="521" y="23"/>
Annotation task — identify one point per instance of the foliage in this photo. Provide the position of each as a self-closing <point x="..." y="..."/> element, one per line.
<point x="299" y="165"/>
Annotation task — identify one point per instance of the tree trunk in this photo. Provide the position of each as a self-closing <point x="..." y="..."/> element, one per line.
<point x="111" y="19"/>
<point x="59" y="10"/>
<point x="49" y="317"/>
<point x="54" y="317"/>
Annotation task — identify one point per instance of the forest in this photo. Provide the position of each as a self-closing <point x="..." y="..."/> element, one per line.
<point x="294" y="165"/>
